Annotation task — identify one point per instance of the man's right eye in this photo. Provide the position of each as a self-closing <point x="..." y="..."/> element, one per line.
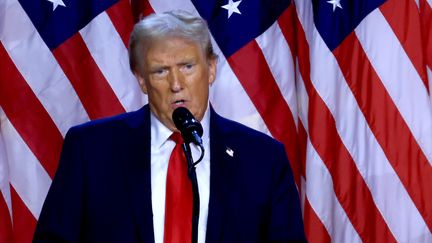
<point x="159" y="72"/>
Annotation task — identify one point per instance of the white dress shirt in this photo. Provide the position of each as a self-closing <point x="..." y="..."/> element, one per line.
<point x="161" y="148"/>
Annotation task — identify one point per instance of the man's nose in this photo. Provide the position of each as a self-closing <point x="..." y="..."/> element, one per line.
<point x="176" y="81"/>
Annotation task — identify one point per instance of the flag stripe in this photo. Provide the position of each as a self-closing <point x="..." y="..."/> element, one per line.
<point x="276" y="53"/>
<point x="426" y="19"/>
<point x="321" y="67"/>
<point x="286" y="22"/>
<point x="24" y="223"/>
<point x="163" y="6"/>
<point x="278" y="56"/>
<point x="5" y="223"/>
<point x="333" y="220"/>
<point x="239" y="106"/>
<point x="111" y="56"/>
<point x="140" y="9"/>
<point x="302" y="133"/>
<point x="363" y="82"/>
<point x="402" y="16"/>
<point x="96" y="95"/>
<point x="4" y="166"/>
<point x="28" y="115"/>
<point x="120" y="15"/>
<point x="416" y="112"/>
<point x="322" y="197"/>
<point x="259" y="84"/>
<point x="39" y="68"/>
<point x="430" y="2"/>
<point x="29" y="179"/>
<point x="314" y="228"/>
<point x="347" y="179"/>
<point x="352" y="128"/>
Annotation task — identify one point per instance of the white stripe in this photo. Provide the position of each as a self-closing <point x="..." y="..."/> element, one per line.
<point x="373" y="165"/>
<point x="111" y="56"/>
<point x="279" y="59"/>
<point x="227" y="95"/>
<point x="166" y="5"/>
<point x="230" y="99"/>
<point x="429" y="2"/>
<point x="4" y="168"/>
<point x="429" y="74"/>
<point x="319" y="184"/>
<point x="302" y="98"/>
<point x="27" y="175"/>
<point x="393" y="66"/>
<point x="39" y="68"/>
<point x="322" y="198"/>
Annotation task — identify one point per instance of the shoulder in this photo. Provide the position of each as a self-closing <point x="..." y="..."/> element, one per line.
<point x="128" y="119"/>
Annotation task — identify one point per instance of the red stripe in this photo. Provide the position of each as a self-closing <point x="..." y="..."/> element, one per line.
<point x="24" y="224"/>
<point x="286" y="23"/>
<point x="314" y="228"/>
<point x="403" y="18"/>
<point x="426" y="20"/>
<point x="96" y="95"/>
<point x="400" y="147"/>
<point x="141" y="8"/>
<point x="5" y="222"/>
<point x="28" y="116"/>
<point x="349" y="186"/>
<point x="302" y="137"/>
<point x="251" y="69"/>
<point x="120" y="15"/>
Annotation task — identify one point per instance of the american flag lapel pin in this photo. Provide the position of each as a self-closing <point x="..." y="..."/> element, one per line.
<point x="229" y="151"/>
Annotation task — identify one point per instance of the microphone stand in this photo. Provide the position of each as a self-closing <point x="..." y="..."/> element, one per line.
<point x="196" y="199"/>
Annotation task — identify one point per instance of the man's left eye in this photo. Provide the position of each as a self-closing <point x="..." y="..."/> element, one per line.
<point x="188" y="66"/>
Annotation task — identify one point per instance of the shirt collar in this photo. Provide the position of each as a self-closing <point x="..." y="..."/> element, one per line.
<point x="160" y="133"/>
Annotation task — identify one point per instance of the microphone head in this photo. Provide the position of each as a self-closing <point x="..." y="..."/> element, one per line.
<point x="187" y="124"/>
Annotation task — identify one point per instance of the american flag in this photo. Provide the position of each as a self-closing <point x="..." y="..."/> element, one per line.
<point x="344" y="84"/>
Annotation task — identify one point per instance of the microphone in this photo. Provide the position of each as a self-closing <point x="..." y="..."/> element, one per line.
<point x="190" y="129"/>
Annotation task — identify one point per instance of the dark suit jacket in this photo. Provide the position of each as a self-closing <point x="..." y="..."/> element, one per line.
<point x="102" y="192"/>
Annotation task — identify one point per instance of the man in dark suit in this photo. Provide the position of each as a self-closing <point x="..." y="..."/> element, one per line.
<point x="110" y="184"/>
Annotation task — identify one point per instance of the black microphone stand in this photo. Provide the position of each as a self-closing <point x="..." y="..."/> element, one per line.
<point x="196" y="199"/>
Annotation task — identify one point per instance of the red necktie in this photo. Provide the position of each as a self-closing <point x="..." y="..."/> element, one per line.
<point x="179" y="197"/>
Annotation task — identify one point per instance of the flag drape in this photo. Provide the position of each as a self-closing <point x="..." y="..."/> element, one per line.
<point x="345" y="85"/>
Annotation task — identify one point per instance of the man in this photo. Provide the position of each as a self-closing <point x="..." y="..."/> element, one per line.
<point x="112" y="179"/>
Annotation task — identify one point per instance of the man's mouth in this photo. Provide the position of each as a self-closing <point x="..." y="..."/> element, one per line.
<point x="178" y="103"/>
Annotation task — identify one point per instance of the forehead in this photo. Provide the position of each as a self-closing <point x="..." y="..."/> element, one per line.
<point x="172" y="48"/>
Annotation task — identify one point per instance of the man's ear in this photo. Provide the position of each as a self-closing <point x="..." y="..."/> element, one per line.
<point x="212" y="69"/>
<point x="141" y="82"/>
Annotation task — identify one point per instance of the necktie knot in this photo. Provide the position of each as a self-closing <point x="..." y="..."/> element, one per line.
<point x="176" y="137"/>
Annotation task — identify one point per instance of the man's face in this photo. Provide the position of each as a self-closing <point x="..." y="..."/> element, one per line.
<point x="175" y="72"/>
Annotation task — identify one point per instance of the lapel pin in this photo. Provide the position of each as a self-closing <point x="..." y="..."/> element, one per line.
<point x="230" y="152"/>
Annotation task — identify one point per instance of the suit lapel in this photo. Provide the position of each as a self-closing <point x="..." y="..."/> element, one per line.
<point x="222" y="169"/>
<point x="138" y="174"/>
